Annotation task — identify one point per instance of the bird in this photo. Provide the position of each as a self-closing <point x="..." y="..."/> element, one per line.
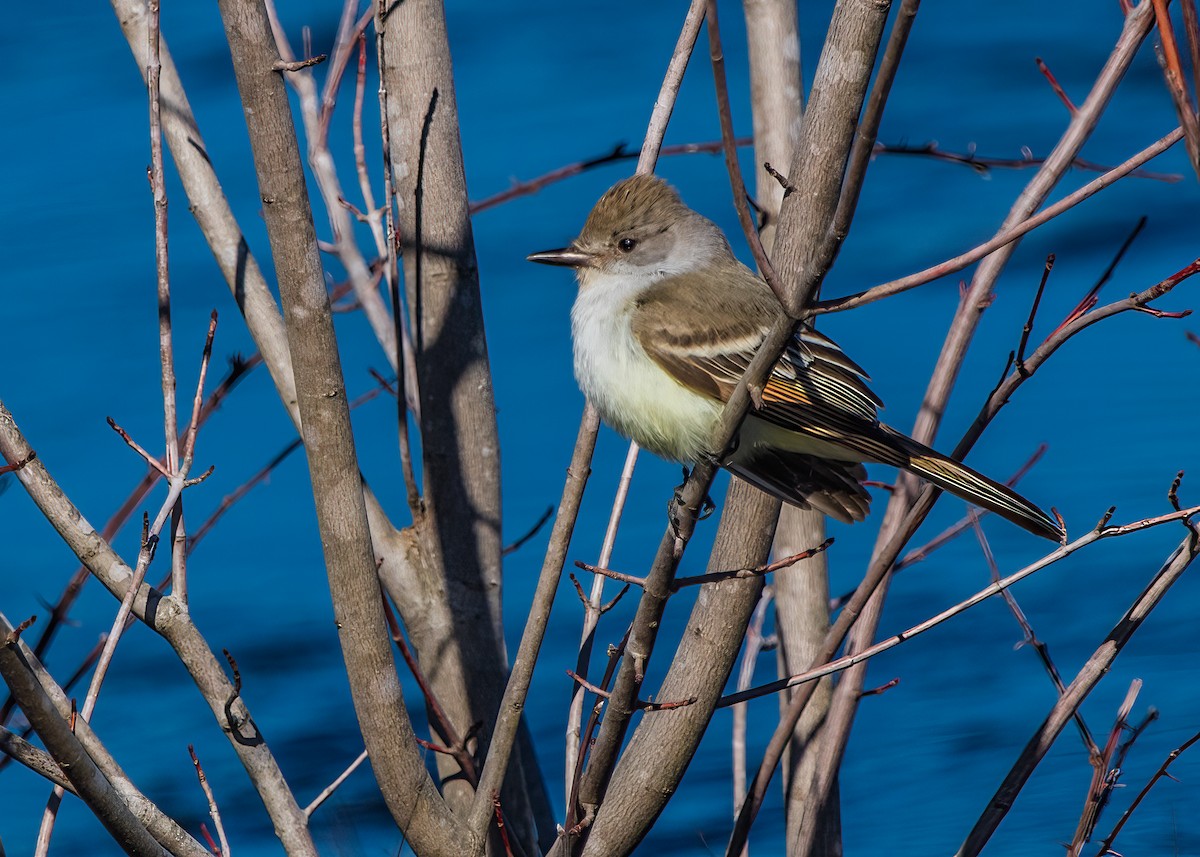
<point x="664" y="324"/>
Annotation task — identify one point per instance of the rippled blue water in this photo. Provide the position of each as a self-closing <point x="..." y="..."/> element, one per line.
<point x="540" y="85"/>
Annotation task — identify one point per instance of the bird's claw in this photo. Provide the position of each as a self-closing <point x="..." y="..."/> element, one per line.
<point x="677" y="504"/>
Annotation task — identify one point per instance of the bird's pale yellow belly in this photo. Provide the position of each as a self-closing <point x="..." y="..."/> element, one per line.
<point x="631" y="392"/>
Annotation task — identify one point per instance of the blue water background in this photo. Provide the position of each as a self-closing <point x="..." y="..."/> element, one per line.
<point x="539" y="85"/>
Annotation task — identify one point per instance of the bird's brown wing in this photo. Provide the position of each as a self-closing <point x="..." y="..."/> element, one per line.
<point x="814" y="389"/>
<point x="817" y="391"/>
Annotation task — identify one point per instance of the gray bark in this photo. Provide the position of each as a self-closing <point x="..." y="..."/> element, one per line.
<point x="801" y="592"/>
<point x="664" y="742"/>
<point x="328" y="440"/>
<point x="460" y="641"/>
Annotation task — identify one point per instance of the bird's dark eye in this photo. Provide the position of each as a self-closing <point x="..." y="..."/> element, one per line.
<point x="626" y="245"/>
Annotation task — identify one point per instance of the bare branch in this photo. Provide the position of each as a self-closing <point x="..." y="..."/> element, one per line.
<point x="62" y="744"/>
<point x="847" y="661"/>
<point x="531" y="639"/>
<point x="1005" y="237"/>
<point x="1089" y="675"/>
<point x="1106" y="845"/>
<point x="332" y="787"/>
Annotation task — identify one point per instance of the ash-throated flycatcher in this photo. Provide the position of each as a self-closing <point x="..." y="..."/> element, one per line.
<point x="667" y="320"/>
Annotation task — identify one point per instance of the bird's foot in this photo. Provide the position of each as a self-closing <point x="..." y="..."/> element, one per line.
<point x="676" y="505"/>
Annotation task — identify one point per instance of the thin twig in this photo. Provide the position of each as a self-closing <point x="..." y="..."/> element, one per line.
<point x="1104" y="774"/>
<point x="847" y="661"/>
<point x="754" y="644"/>
<point x="1092" y="297"/>
<point x="618" y="153"/>
<point x="530" y="533"/>
<point x="1008" y="236"/>
<point x="332" y="787"/>
<point x="757" y="571"/>
<point x="1037" y="300"/>
<point x="1031" y="638"/>
<point x="868" y="129"/>
<point x="402" y="356"/>
<point x="154" y="463"/>
<point x="593" y="609"/>
<point x="1089" y="675"/>
<point x="664" y="104"/>
<point x="983" y="165"/>
<point x="737" y="184"/>
<point x="1172" y="67"/>
<point x="213" y="812"/>
<point x="440" y="720"/>
<point x="515" y="692"/>
<point x="1106" y="845"/>
<point x="1056" y="86"/>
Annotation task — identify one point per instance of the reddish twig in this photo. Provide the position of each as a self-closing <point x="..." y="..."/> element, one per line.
<point x="883" y="688"/>
<point x="1092" y="297"/>
<point x="213" y="811"/>
<point x="1056" y="86"/>
<point x="619" y="152"/>
<point x="1172" y="66"/>
<point x="757" y="571"/>
<point x="439" y="719"/>
<point x="17" y="465"/>
<point x="501" y="829"/>
<point x="136" y="447"/>
<point x="11" y="638"/>
<point x="713" y="576"/>
<point x="984" y="165"/>
<point x="609" y="573"/>
<point x="961" y="261"/>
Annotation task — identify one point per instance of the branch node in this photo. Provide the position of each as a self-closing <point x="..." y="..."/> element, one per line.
<point x="787" y="186"/>
<point x="645" y="705"/>
<point x="13" y="636"/>
<point x="9" y="468"/>
<point x="297" y="65"/>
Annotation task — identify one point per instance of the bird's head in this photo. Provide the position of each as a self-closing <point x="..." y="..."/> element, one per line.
<point x="640" y="229"/>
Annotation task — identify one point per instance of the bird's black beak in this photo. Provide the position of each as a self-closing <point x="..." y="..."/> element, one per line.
<point x="568" y="257"/>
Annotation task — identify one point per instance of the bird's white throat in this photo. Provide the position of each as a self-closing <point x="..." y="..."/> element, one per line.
<point x="631" y="392"/>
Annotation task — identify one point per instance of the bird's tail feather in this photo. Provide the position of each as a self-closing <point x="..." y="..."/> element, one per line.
<point x="962" y="481"/>
<point x="833" y="488"/>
